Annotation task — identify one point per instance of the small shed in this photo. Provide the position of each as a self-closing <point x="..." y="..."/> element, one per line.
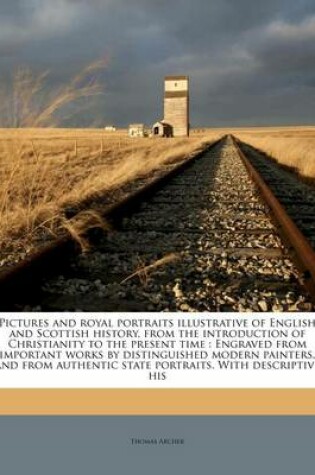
<point x="162" y="129"/>
<point x="110" y="128"/>
<point x="136" y="130"/>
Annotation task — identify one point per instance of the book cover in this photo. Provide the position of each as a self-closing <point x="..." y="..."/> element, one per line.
<point x="157" y="237"/>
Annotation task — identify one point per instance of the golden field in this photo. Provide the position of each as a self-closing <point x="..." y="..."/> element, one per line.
<point x="290" y="146"/>
<point x="45" y="170"/>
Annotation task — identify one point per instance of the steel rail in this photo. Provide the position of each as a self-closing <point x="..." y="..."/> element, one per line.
<point x="24" y="279"/>
<point x="303" y="252"/>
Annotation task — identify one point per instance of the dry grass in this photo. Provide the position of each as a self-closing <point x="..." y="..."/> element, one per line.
<point x="290" y="146"/>
<point x="144" y="270"/>
<point x="28" y="101"/>
<point x="44" y="170"/>
<point x="82" y="222"/>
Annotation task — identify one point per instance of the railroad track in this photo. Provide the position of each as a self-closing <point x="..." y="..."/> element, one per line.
<point x="200" y="239"/>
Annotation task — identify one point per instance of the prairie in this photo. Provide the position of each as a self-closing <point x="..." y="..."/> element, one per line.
<point x="44" y="171"/>
<point x="290" y="146"/>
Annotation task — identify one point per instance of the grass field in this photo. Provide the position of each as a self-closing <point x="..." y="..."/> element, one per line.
<point x="290" y="146"/>
<point x="45" y="170"/>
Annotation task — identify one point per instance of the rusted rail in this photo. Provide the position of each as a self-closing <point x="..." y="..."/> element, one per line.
<point x="302" y="250"/>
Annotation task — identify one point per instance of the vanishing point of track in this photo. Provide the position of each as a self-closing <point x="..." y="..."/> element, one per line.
<point x="203" y="238"/>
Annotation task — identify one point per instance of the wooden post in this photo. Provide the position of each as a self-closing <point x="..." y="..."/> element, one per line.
<point x="34" y="151"/>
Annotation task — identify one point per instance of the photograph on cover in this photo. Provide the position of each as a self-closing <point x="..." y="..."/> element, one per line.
<point x="157" y="156"/>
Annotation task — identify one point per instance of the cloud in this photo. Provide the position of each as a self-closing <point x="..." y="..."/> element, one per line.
<point x="41" y="19"/>
<point x="283" y="31"/>
<point x="242" y="56"/>
<point x="282" y="48"/>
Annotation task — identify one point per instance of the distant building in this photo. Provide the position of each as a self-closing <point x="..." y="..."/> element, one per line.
<point x="136" y="130"/>
<point x="162" y="129"/>
<point x="176" y="104"/>
<point x="110" y="128"/>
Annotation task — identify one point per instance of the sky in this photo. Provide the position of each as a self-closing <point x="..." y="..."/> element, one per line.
<point x="250" y="62"/>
